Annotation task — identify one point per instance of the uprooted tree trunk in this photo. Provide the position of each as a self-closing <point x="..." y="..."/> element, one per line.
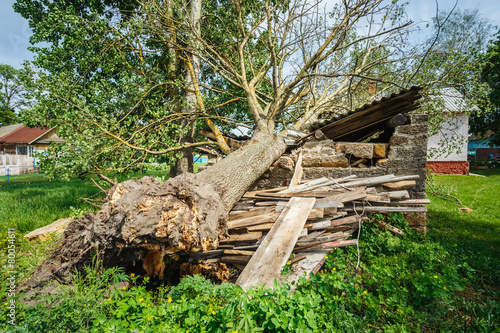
<point x="143" y="220"/>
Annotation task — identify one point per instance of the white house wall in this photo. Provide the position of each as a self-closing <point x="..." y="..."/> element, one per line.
<point x="450" y="144"/>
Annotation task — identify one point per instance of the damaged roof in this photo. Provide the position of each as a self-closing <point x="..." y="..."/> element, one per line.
<point x="365" y="121"/>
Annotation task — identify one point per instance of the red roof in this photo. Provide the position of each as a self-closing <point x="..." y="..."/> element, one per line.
<point x="24" y="134"/>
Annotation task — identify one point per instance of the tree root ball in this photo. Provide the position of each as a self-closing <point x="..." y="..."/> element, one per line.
<point x="216" y="272"/>
<point x="141" y="219"/>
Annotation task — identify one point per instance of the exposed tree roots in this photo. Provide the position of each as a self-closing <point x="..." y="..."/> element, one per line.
<point x="140" y="222"/>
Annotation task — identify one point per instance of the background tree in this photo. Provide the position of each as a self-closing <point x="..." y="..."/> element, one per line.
<point x="13" y="96"/>
<point x="488" y="119"/>
<point x="453" y="59"/>
<point x="115" y="91"/>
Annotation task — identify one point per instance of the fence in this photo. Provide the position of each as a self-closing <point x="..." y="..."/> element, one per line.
<point x="7" y="160"/>
<point x="14" y="165"/>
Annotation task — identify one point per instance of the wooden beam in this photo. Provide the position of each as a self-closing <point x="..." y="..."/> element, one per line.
<point x="250" y="236"/>
<point x="252" y="220"/>
<point x="265" y="265"/>
<point x="297" y="173"/>
<point x="400" y="185"/>
<point x="396" y="120"/>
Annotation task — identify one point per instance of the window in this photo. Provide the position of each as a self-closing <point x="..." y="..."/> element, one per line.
<point x="21" y="150"/>
<point x="25" y="150"/>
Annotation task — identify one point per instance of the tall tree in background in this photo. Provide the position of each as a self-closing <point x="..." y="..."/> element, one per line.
<point x="488" y="119"/>
<point x="13" y="96"/>
<point x="453" y="61"/>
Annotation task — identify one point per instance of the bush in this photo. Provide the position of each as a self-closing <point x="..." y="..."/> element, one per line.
<point x="403" y="284"/>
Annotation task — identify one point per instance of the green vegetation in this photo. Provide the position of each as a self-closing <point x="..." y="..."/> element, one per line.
<point x="30" y="201"/>
<point x="445" y="281"/>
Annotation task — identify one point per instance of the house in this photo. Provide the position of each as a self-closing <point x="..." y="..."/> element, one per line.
<point x="20" y="139"/>
<point x="447" y="148"/>
<point x="480" y="148"/>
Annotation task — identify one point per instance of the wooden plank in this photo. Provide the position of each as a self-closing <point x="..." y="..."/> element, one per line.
<point x="240" y="252"/>
<point x="356" y="194"/>
<point x="392" y="229"/>
<point x="345" y="227"/>
<point x="318" y="183"/>
<point x="260" y="227"/>
<point x="366" y="182"/>
<point x="378" y="198"/>
<point x="323" y="224"/>
<point x="400" y="185"/>
<point x="307" y="186"/>
<point x="376" y="181"/>
<point x="405" y="202"/>
<point x="329" y="206"/>
<point x="252" y="220"/>
<point x="241" y="215"/>
<point x="327" y="203"/>
<point x="316" y="213"/>
<point x="265" y="265"/>
<point x="250" y="236"/>
<point x="318" y="240"/>
<point x="297" y="173"/>
<point x="266" y="203"/>
<point x="312" y="235"/>
<point x="412" y="201"/>
<point x="345" y="220"/>
<point x="398" y="194"/>
<point x="275" y="196"/>
<point x="296" y="258"/>
<point x="310" y="264"/>
<point x="390" y="209"/>
<point x="337" y="215"/>
<point x="240" y="260"/>
<point x="329" y="245"/>
<point x="282" y="197"/>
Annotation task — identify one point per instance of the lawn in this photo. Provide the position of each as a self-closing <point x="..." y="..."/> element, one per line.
<point x="445" y="281"/>
<point x="30" y="201"/>
<point x="479" y="228"/>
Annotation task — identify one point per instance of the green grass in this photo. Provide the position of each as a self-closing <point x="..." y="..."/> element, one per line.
<point x="473" y="236"/>
<point x="445" y="281"/>
<point x="480" y="228"/>
<point x="30" y="201"/>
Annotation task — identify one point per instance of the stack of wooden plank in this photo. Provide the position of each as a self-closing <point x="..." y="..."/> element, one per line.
<point x="298" y="225"/>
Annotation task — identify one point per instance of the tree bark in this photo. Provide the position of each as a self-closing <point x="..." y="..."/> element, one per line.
<point x="144" y="220"/>
<point x="185" y="163"/>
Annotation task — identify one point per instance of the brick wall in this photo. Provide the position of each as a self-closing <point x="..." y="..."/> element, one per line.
<point x="404" y="154"/>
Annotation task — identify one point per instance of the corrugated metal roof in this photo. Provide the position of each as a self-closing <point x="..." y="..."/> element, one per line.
<point x="454" y="101"/>
<point x="4" y="130"/>
<point x="324" y="122"/>
<point x="24" y="134"/>
<point x="362" y="122"/>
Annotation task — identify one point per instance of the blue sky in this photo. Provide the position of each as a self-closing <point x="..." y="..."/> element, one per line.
<point x="15" y="32"/>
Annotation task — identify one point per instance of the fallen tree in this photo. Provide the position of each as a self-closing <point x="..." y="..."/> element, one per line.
<point x="144" y="220"/>
<point x="289" y="63"/>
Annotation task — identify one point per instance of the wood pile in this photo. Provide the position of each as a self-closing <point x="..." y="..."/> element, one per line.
<point x="299" y="224"/>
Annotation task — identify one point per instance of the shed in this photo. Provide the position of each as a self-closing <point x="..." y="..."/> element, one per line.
<point x="447" y="149"/>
